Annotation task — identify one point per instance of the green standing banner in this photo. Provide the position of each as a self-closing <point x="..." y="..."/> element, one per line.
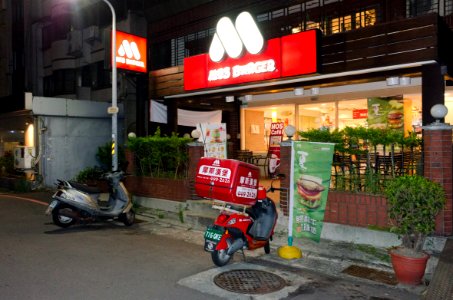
<point x="311" y="165"/>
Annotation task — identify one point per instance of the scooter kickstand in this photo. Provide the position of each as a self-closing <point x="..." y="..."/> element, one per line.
<point x="243" y="255"/>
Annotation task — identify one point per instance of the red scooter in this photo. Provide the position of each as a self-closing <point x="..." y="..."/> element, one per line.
<point x="241" y="227"/>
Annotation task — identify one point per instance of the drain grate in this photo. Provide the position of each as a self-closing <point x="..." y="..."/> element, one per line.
<point x="371" y="274"/>
<point x="249" y="281"/>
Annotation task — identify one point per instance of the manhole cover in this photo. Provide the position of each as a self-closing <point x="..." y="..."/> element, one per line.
<point x="249" y="281"/>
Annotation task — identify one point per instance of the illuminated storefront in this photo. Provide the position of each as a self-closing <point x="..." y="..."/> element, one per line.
<point x="355" y="80"/>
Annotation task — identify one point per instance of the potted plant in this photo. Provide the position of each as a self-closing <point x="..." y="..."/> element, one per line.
<point x="413" y="203"/>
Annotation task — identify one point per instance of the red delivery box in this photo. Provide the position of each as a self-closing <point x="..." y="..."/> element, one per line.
<point x="227" y="180"/>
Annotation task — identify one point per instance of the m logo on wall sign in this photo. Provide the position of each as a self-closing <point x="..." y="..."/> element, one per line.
<point x="231" y="39"/>
<point x="129" y="49"/>
<point x="131" y="52"/>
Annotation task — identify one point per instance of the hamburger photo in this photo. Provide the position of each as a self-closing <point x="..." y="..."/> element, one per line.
<point x="395" y="119"/>
<point x="310" y="188"/>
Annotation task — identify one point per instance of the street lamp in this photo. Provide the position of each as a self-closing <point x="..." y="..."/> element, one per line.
<point x="114" y="109"/>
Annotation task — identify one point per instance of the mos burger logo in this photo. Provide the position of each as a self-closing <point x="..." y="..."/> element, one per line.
<point x="239" y="54"/>
<point x="130" y="52"/>
<point x="231" y="38"/>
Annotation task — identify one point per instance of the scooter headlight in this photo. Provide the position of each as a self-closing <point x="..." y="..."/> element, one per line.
<point x="232" y="221"/>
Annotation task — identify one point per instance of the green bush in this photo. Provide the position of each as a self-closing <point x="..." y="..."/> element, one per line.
<point x="89" y="174"/>
<point x="161" y="156"/>
<point x="357" y="140"/>
<point x="104" y="157"/>
<point x="7" y="162"/>
<point x="366" y="158"/>
<point x="413" y="203"/>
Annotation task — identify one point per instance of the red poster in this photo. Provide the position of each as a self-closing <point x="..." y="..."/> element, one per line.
<point x="360" y="113"/>
<point x="275" y="138"/>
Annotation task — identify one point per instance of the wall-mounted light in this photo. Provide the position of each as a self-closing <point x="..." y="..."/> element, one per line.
<point x="298" y="91"/>
<point x="30" y="136"/>
<point x="405" y="80"/>
<point x="274" y="116"/>
<point x="392" y="81"/>
<point x="229" y="99"/>
<point x="315" y="90"/>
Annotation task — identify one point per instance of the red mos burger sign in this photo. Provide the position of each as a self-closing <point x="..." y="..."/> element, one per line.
<point x="130" y="52"/>
<point x="239" y="54"/>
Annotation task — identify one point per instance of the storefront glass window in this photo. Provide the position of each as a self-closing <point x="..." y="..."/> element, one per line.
<point x="352" y="113"/>
<point x="257" y="125"/>
<point x="333" y="115"/>
<point x="319" y="115"/>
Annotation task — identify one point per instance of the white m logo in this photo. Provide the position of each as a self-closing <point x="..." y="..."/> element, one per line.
<point x="232" y="38"/>
<point x="129" y="49"/>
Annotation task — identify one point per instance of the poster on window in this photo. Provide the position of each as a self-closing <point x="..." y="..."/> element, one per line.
<point x="214" y="138"/>
<point x="275" y="138"/>
<point x="386" y="113"/>
<point x="310" y="169"/>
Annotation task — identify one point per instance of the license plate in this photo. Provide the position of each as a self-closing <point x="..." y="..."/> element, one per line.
<point x="213" y="234"/>
<point x="51" y="207"/>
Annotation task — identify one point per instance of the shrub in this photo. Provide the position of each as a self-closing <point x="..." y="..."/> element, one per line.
<point x="414" y="201"/>
<point x="7" y="162"/>
<point x="104" y="157"/>
<point x="89" y="174"/>
<point x="161" y="156"/>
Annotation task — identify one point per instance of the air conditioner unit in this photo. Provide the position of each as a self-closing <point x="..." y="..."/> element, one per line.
<point x="75" y="43"/>
<point x="91" y="34"/>
<point x="24" y="157"/>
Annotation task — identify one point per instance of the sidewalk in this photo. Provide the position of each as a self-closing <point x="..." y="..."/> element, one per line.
<point x="337" y="259"/>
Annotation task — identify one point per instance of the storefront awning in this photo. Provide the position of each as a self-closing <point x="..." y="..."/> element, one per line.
<point x="302" y="79"/>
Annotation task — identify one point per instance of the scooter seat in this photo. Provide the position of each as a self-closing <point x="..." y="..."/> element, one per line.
<point x="85" y="188"/>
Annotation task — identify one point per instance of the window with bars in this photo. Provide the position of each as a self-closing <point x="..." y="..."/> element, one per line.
<point x="422" y="7"/>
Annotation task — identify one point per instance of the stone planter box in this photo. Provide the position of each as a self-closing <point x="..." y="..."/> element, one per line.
<point x="161" y="188"/>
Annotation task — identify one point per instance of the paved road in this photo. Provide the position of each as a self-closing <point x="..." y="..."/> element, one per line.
<point x="150" y="260"/>
<point x="102" y="261"/>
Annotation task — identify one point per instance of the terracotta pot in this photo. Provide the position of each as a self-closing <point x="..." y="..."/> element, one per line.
<point x="409" y="270"/>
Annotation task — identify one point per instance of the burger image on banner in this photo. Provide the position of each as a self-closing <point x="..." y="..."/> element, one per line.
<point x="395" y="119"/>
<point x="310" y="189"/>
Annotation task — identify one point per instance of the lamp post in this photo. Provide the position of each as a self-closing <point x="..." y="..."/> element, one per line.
<point x="113" y="110"/>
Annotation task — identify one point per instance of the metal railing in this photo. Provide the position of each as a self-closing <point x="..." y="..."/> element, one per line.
<point x="368" y="172"/>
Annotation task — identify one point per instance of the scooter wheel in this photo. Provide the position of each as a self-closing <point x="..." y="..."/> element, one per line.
<point x="128" y="218"/>
<point x="220" y="257"/>
<point x="60" y="220"/>
<point x="267" y="247"/>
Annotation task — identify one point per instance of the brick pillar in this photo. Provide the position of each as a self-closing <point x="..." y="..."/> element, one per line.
<point x="130" y="158"/>
<point x="285" y="168"/>
<point x="437" y="164"/>
<point x="196" y="151"/>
